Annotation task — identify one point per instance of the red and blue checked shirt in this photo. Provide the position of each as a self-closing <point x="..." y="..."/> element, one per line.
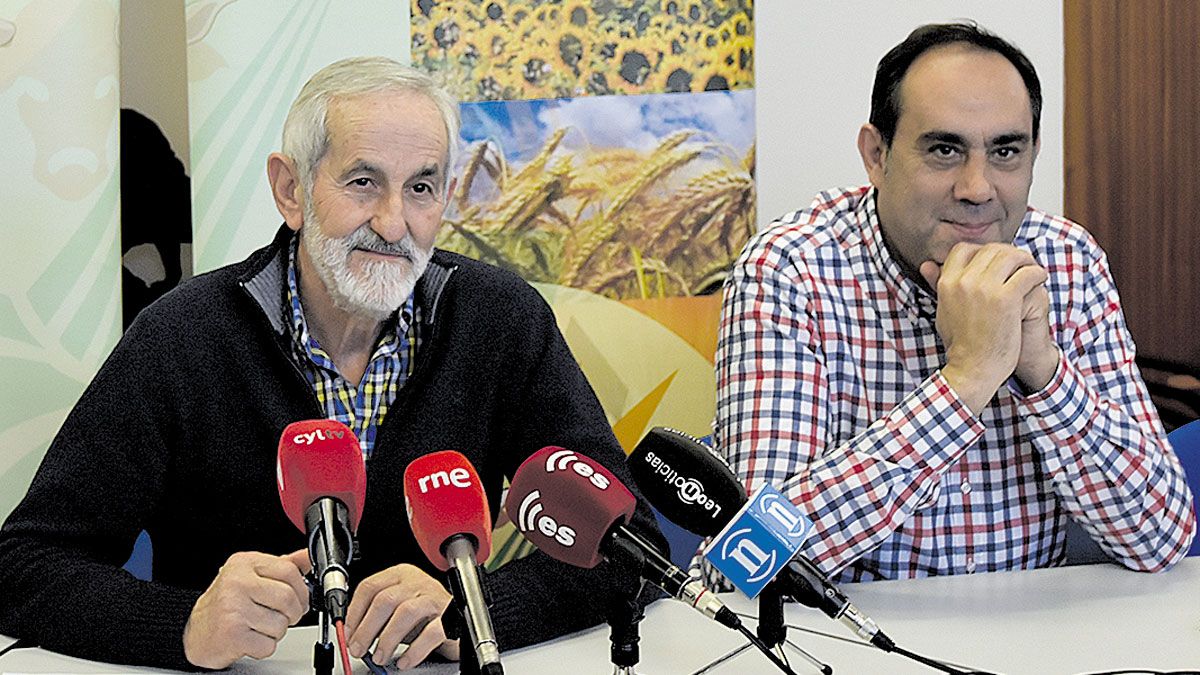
<point x="362" y="405"/>
<point x="829" y="387"/>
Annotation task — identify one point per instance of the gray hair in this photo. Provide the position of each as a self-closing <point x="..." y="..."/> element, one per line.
<point x="305" y="135"/>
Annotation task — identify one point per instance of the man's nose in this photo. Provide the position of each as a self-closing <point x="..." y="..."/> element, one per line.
<point x="389" y="221"/>
<point x="973" y="184"/>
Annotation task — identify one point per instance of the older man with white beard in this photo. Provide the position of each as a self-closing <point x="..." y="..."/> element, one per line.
<point x="348" y="314"/>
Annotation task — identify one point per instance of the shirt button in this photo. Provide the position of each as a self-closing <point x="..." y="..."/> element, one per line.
<point x="966" y="488"/>
<point x="970" y="565"/>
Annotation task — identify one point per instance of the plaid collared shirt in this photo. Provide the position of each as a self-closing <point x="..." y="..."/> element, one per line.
<point x="829" y="387"/>
<point x="361" y="406"/>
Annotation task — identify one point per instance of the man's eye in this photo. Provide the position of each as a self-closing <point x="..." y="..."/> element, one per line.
<point x="423" y="189"/>
<point x="361" y="182"/>
<point x="944" y="150"/>
<point x="1006" y="153"/>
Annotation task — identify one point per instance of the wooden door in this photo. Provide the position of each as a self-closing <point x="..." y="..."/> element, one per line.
<point x="1132" y="169"/>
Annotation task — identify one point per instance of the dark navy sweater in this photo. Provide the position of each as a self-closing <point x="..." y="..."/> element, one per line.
<point x="178" y="433"/>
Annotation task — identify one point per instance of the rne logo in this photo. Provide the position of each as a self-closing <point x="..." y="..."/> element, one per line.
<point x="458" y="477"/>
<point x="531" y="519"/>
<point x="561" y="460"/>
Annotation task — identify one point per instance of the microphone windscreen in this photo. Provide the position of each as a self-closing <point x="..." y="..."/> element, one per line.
<point x="443" y="496"/>
<point x="565" y="503"/>
<point x="686" y="481"/>
<point x="320" y="458"/>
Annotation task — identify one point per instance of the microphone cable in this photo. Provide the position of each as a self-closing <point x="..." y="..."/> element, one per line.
<point x="375" y="668"/>
<point x="345" y="651"/>
<point x="943" y="666"/>
<point x="935" y="664"/>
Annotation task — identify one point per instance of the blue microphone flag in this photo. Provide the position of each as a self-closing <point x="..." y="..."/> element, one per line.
<point x="759" y="541"/>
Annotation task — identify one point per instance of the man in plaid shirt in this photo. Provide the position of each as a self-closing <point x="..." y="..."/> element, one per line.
<point x="938" y="374"/>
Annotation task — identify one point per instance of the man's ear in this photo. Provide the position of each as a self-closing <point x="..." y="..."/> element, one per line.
<point x="873" y="151"/>
<point x="285" y="188"/>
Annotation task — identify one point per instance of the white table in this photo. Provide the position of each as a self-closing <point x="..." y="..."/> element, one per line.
<point x="1044" y="622"/>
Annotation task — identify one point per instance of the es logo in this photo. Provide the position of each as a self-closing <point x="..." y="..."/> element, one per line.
<point x="531" y="519"/>
<point x="317" y="435"/>
<point x="458" y="477"/>
<point x="566" y="459"/>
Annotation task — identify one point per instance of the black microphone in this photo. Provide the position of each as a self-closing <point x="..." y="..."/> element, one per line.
<point x="694" y="488"/>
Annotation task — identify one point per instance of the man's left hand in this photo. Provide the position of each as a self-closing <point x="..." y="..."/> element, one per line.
<point x="1038" y="357"/>
<point x="399" y="604"/>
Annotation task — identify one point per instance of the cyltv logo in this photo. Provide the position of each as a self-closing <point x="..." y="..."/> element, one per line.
<point x="318" y="435"/>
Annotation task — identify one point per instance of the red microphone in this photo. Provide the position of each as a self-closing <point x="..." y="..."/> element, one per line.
<point x="444" y="498"/>
<point x="575" y="510"/>
<point x="449" y="516"/>
<point x="323" y="485"/>
<point x="566" y="505"/>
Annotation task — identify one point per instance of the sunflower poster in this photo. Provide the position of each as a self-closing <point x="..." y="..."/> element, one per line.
<point x="523" y="49"/>
<point x="609" y="160"/>
<point x="609" y="150"/>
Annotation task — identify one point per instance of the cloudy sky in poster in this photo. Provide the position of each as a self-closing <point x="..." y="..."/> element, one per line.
<point x="634" y="122"/>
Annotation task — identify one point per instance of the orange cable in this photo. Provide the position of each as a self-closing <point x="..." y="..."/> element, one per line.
<point x="341" y="638"/>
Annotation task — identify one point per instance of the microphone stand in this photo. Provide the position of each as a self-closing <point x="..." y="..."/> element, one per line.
<point x="454" y="623"/>
<point x="624" y="610"/>
<point x="772" y="631"/>
<point x="472" y="603"/>
<point x="323" y="651"/>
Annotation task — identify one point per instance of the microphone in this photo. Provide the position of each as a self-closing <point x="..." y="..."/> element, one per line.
<point x="575" y="510"/>
<point x="322" y="483"/>
<point x="449" y="516"/>
<point x="694" y="488"/>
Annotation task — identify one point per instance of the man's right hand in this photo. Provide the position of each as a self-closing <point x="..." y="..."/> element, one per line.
<point x="247" y="609"/>
<point x="981" y="303"/>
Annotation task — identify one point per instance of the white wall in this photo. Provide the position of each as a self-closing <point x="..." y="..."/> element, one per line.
<point x="814" y="66"/>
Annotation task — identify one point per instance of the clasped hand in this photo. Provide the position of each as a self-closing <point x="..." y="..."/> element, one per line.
<point x="255" y="597"/>
<point x="993" y="316"/>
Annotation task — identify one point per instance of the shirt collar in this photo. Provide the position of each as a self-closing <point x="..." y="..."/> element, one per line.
<point x="394" y="327"/>
<point x="899" y="285"/>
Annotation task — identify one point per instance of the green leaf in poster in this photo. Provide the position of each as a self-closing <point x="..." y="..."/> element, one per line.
<point x="42" y="390"/>
<point x="10" y="327"/>
<point x="49" y="291"/>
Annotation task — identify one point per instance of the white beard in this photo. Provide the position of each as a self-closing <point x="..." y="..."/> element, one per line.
<point x="377" y="287"/>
